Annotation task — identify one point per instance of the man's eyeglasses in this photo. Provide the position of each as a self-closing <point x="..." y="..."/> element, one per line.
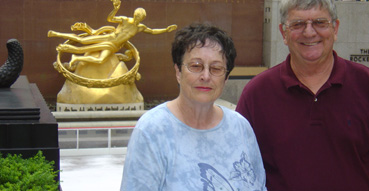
<point x="197" y="67"/>
<point x="300" y="25"/>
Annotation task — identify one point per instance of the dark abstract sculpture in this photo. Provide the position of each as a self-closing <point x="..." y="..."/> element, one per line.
<point x="13" y="66"/>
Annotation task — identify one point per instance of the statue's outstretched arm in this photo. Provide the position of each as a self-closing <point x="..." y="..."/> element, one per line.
<point x="158" y="31"/>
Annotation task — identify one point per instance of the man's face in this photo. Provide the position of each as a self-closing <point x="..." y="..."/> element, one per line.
<point x="312" y="44"/>
<point x="138" y="16"/>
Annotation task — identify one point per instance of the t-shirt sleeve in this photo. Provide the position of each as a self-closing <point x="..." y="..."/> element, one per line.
<point x="143" y="166"/>
<point x="255" y="155"/>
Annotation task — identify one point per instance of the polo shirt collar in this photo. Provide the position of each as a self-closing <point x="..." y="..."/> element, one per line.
<point x="339" y="70"/>
<point x="289" y="78"/>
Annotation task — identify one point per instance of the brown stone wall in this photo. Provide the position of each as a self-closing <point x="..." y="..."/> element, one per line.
<point x="29" y="20"/>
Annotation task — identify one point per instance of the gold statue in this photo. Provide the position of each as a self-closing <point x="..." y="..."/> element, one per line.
<point x="100" y="71"/>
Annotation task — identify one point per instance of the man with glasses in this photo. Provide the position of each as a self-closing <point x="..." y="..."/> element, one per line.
<point x="310" y="113"/>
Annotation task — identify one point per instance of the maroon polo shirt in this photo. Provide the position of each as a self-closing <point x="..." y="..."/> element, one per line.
<point x="311" y="142"/>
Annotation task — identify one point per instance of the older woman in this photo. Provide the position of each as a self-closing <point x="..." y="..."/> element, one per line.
<point x="190" y="143"/>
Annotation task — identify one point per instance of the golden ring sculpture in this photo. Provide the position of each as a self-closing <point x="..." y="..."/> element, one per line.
<point x="126" y="78"/>
<point x="105" y="41"/>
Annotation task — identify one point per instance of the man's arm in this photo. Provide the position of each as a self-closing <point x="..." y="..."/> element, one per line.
<point x="242" y="106"/>
<point x="146" y="29"/>
<point x="111" y="17"/>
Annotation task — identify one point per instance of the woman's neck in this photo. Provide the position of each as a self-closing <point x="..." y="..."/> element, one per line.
<point x="198" y="116"/>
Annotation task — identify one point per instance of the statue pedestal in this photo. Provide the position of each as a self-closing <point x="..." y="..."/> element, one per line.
<point x="76" y="97"/>
<point x="64" y="107"/>
<point x="26" y="123"/>
<point x="17" y="104"/>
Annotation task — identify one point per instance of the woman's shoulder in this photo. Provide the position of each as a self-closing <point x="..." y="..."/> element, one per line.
<point x="157" y="111"/>
<point x="233" y="115"/>
<point x="155" y="117"/>
<point x="237" y="123"/>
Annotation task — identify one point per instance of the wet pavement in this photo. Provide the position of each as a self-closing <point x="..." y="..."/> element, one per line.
<point x="91" y="173"/>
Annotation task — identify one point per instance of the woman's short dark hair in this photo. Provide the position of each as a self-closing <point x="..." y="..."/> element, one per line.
<point x="189" y="37"/>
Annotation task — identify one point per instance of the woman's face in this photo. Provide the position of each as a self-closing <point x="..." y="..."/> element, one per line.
<point x="202" y="87"/>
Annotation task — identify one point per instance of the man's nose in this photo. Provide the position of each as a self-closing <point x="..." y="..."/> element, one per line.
<point x="309" y="30"/>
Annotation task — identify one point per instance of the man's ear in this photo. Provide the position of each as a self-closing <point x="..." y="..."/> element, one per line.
<point x="336" y="26"/>
<point x="283" y="32"/>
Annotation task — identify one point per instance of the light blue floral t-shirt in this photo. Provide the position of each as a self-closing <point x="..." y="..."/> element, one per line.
<point x="165" y="154"/>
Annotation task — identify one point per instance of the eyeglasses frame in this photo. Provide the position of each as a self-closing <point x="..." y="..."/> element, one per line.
<point x="306" y="22"/>
<point x="188" y="68"/>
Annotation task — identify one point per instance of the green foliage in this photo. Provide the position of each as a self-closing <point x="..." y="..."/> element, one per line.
<point x="32" y="174"/>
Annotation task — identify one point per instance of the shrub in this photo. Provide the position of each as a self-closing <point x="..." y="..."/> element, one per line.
<point x="32" y="174"/>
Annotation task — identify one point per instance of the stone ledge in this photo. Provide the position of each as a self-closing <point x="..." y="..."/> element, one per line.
<point x="63" y="107"/>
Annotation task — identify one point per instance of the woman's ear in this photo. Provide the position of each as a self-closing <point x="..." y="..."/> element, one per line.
<point x="178" y="73"/>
